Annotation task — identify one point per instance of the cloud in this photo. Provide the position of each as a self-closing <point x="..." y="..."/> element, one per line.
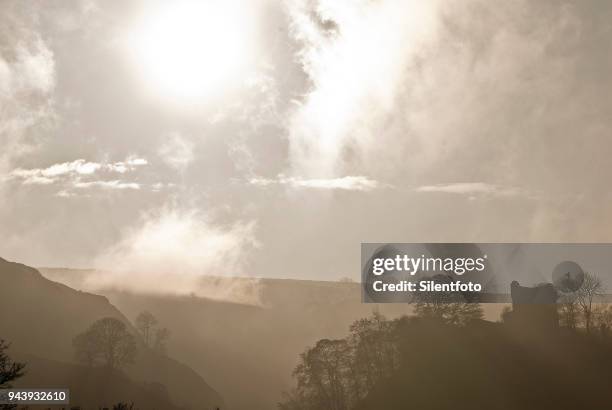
<point x="510" y="98"/>
<point x="30" y="69"/>
<point x="409" y="89"/>
<point x="32" y="178"/>
<point x="347" y="183"/>
<point x="419" y="91"/>
<point x="172" y="250"/>
<point x="130" y="164"/>
<point x="77" y="167"/>
<point x="72" y="173"/>
<point x="27" y="83"/>
<point x="177" y="151"/>
<point x="114" y="184"/>
<point x="470" y="188"/>
<point x="355" y="55"/>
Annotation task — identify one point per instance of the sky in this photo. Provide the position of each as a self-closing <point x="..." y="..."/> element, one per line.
<point x="271" y="139"/>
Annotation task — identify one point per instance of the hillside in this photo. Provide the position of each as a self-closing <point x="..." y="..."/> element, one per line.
<point x="247" y="352"/>
<point x="490" y="366"/>
<point x="33" y="307"/>
<point x="41" y="317"/>
<point x="93" y="388"/>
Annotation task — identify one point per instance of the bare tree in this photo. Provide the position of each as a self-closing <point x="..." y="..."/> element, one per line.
<point x="107" y="341"/>
<point x="9" y="369"/>
<point x="569" y="311"/>
<point x="590" y="289"/>
<point x="145" y="322"/>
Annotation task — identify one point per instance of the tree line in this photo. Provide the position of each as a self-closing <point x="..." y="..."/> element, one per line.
<point x="337" y="374"/>
<point x="108" y="342"/>
<point x="580" y="308"/>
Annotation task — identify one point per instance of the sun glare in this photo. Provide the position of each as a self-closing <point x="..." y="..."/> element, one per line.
<point x="192" y="49"/>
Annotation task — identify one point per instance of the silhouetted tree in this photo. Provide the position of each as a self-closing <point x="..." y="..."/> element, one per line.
<point x="108" y="342"/>
<point x="590" y="289"/>
<point x="447" y="307"/>
<point x="374" y="351"/>
<point x="145" y="322"/>
<point x="323" y="374"/>
<point x="337" y="374"/>
<point x="453" y="313"/>
<point x="9" y="369"/>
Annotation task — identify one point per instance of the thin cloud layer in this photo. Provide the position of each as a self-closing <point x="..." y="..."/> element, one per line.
<point x="71" y="175"/>
<point x="469" y="188"/>
<point x="79" y="167"/>
<point x="347" y="183"/>
<point x="114" y="184"/>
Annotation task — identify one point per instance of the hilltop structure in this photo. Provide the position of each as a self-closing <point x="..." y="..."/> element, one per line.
<point x="534" y="309"/>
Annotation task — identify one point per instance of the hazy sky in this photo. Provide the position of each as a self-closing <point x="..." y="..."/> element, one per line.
<point x="272" y="138"/>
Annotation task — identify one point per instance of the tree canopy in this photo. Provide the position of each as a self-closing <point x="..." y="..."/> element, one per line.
<point x="106" y="342"/>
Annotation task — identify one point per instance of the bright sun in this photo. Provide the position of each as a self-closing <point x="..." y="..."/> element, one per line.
<point x="192" y="49"/>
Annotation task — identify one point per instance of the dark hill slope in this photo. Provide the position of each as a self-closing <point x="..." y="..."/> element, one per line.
<point x="41" y="317"/>
<point x="93" y="388"/>
<point x="487" y="366"/>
